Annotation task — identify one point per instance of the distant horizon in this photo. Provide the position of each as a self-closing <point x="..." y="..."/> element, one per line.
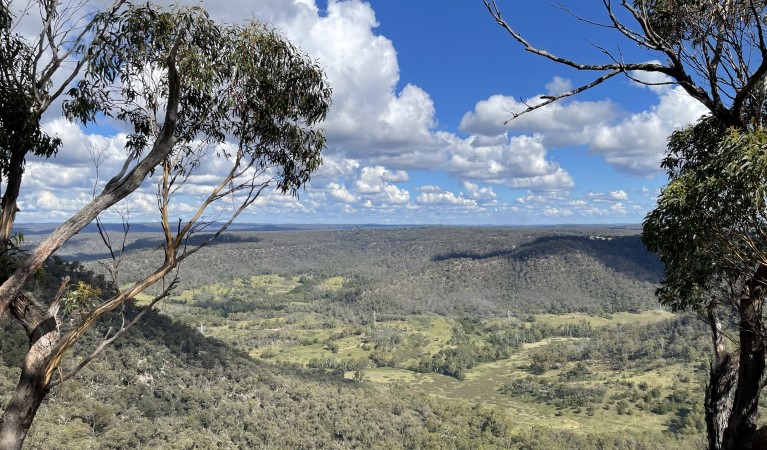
<point x="347" y="225"/>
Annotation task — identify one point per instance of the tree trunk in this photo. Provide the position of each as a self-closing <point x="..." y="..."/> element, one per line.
<point x="33" y="385"/>
<point x="722" y="378"/>
<point x="9" y="207"/>
<point x="719" y="399"/>
<point x="741" y="427"/>
<point x="21" y="410"/>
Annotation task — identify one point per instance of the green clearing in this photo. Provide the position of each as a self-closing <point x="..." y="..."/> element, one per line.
<point x="333" y="284"/>
<point x="274" y="284"/>
<point x="270" y="285"/>
<point x="644" y="317"/>
<point x="482" y="385"/>
<point x="277" y="320"/>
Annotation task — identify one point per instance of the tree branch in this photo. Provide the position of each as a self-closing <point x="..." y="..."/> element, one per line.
<point x="114" y="191"/>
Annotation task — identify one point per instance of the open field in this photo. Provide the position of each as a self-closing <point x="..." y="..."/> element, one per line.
<point x="283" y="332"/>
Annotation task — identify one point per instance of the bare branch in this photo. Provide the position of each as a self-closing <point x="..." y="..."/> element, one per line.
<point x="109" y="340"/>
<point x="53" y="308"/>
<point x="548" y="99"/>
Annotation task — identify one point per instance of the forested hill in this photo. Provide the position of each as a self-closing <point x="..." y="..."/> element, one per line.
<point x="478" y="270"/>
<point x="270" y="341"/>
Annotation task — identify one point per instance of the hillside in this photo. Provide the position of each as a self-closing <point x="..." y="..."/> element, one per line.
<point x="483" y="271"/>
<point x="534" y="338"/>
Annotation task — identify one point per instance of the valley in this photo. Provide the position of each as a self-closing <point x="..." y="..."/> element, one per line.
<point x="510" y="337"/>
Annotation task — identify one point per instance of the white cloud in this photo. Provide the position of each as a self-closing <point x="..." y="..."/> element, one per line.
<point x="561" y="122"/>
<point x="558" y="85"/>
<point x="45" y="199"/>
<point x="78" y="147"/>
<point x="519" y="163"/>
<point x="636" y="144"/>
<point x="631" y="143"/>
<point x="340" y="192"/>
<point x="476" y="192"/>
<point x="336" y="165"/>
<point x="374" y="180"/>
<point x="368" y="117"/>
<point x="432" y="195"/>
<point x="381" y="134"/>
<point x="556" y="212"/>
<point x="395" y="196"/>
<point x="619" y="194"/>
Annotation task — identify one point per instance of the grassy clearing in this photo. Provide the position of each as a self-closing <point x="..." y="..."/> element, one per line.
<point x="274" y="284"/>
<point x="143" y="299"/>
<point x="271" y="285"/>
<point x="332" y="284"/>
<point x="644" y="317"/>
<point x="291" y="335"/>
<point x="483" y="382"/>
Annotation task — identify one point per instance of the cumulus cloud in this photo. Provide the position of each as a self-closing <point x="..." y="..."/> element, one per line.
<point x="369" y="118"/>
<point x="382" y="137"/>
<point x="374" y="179"/>
<point x="520" y="162"/>
<point x="636" y="144"/>
<point x="560" y="123"/>
<point x="340" y="193"/>
<point x="556" y="212"/>
<point x="558" y="85"/>
<point x="433" y="195"/>
<point x="631" y="143"/>
<point x="392" y="195"/>
<point x="79" y="148"/>
<point x="619" y="194"/>
<point x="476" y="192"/>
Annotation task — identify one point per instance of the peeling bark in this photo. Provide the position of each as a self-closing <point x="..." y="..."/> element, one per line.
<point x="8" y="206"/>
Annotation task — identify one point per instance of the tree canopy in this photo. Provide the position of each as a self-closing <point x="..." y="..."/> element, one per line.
<point x="189" y="89"/>
<point x="708" y="227"/>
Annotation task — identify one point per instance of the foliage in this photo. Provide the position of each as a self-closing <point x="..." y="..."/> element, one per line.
<point x="717" y="186"/>
<point x="246" y="84"/>
<point x="189" y="88"/>
<point x="20" y="130"/>
<point x="81" y="299"/>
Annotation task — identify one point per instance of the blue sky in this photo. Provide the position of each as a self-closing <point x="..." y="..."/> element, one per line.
<point x="416" y="133"/>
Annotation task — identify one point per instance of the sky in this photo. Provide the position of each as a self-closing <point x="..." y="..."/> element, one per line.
<point x="418" y="132"/>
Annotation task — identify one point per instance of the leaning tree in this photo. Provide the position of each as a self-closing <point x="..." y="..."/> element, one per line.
<point x="710" y="225"/>
<point x="190" y="91"/>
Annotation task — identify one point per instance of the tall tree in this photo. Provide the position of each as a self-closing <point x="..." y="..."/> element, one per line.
<point x="33" y="75"/>
<point x="709" y="224"/>
<point x="189" y="89"/>
<point x="710" y="230"/>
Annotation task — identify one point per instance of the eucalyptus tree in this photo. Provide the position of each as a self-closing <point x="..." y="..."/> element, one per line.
<point x="708" y="227"/>
<point x="34" y="73"/>
<point x="189" y="90"/>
